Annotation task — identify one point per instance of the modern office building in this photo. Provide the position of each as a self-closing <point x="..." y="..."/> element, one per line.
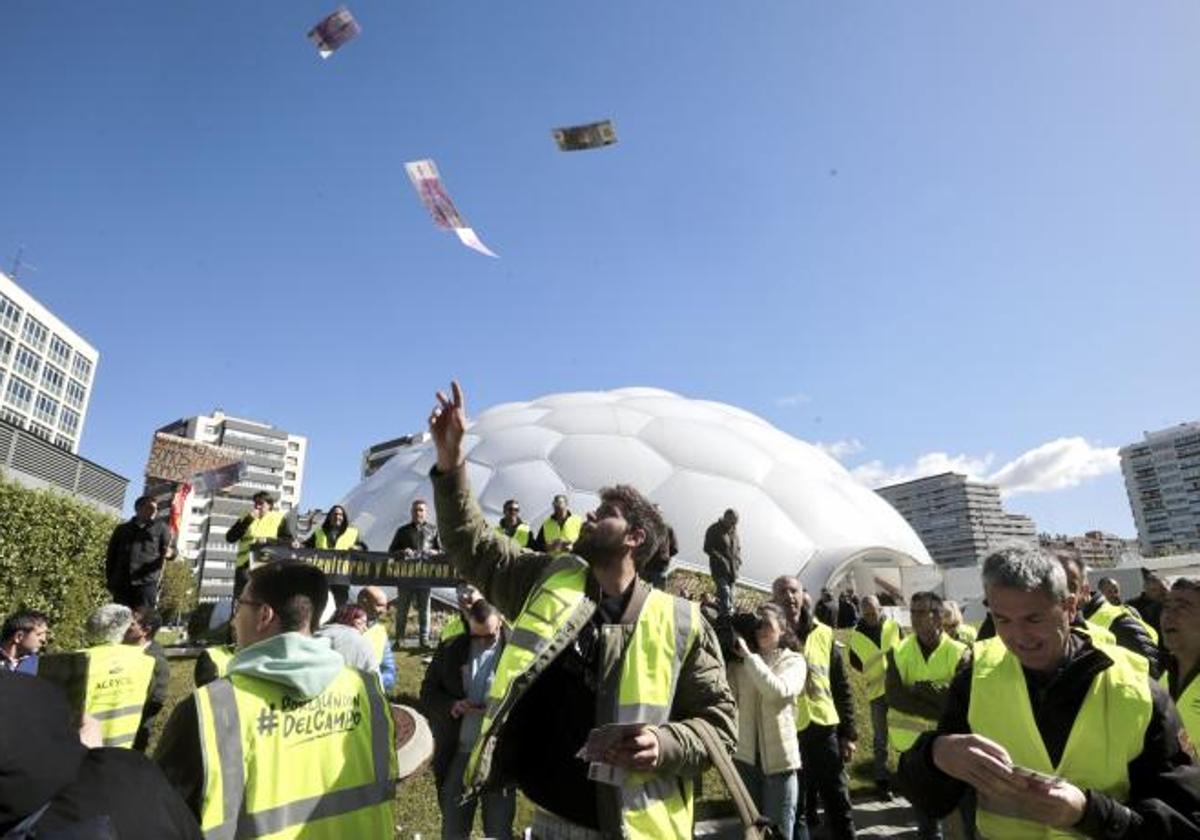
<point x="29" y="460"/>
<point x="46" y="369"/>
<point x="959" y="520"/>
<point x="275" y="463"/>
<point x="1162" y="478"/>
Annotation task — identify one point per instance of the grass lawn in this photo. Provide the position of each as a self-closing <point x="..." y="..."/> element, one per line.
<point x="417" y="798"/>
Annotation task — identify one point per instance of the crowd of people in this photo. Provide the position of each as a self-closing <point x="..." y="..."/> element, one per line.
<point x="569" y="674"/>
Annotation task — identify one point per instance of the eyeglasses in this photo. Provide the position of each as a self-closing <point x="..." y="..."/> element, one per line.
<point x="245" y="602"/>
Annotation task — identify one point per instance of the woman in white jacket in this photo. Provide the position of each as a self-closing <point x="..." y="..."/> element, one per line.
<point x="765" y="684"/>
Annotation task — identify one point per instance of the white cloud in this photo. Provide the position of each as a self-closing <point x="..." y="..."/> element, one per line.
<point x="1058" y="464"/>
<point x="841" y="449"/>
<point x="792" y="400"/>
<point x="1065" y="462"/>
<point x="877" y="474"/>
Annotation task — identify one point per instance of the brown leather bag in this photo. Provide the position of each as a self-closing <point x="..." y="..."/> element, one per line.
<point x="754" y="825"/>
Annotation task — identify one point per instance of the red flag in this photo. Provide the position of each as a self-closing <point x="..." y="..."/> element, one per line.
<point x="177" y="503"/>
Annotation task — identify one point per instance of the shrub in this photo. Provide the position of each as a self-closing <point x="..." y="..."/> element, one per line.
<point x="52" y="551"/>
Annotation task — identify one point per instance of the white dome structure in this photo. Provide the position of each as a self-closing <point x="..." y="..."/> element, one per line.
<point x="800" y="511"/>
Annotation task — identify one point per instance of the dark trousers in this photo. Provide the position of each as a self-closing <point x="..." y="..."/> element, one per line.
<point x="826" y="776"/>
<point x="240" y="575"/>
<point x="134" y="595"/>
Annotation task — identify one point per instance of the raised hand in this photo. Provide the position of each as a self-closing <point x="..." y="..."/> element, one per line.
<point x="447" y="425"/>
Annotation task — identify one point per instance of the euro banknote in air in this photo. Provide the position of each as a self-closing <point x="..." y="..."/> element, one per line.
<point x="428" y="184"/>
<point x="577" y="138"/>
<point x="334" y="32"/>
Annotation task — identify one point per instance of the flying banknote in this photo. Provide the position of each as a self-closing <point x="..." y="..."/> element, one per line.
<point x="334" y="31"/>
<point x="428" y="184"/>
<point x="576" y="138"/>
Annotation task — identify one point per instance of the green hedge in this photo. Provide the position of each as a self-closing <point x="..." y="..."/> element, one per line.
<point x="52" y="558"/>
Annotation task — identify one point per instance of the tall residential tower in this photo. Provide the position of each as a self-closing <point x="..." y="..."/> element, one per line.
<point x="1162" y="478"/>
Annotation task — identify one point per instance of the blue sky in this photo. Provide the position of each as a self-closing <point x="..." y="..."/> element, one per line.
<point x="912" y="228"/>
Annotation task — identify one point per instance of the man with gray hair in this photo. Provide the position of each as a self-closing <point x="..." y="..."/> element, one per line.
<point x="109" y="681"/>
<point x="1051" y="728"/>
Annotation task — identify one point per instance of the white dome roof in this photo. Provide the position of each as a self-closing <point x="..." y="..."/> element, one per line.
<point x="800" y="511"/>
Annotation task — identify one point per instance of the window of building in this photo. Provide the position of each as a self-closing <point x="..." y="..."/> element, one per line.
<point x="69" y="422"/>
<point x="19" y="393"/>
<point x="75" y="394"/>
<point x="16" y="418"/>
<point x="195" y="528"/>
<point x="290" y="461"/>
<point x="210" y="430"/>
<point x="286" y="506"/>
<point x="10" y="314"/>
<point x="34" y="332"/>
<point x="63" y="442"/>
<point x="290" y="476"/>
<point x="26" y="362"/>
<point x="41" y="431"/>
<point x="198" y="510"/>
<point x="60" y="351"/>
<point x="81" y="368"/>
<point x="293" y="446"/>
<point x="6" y="346"/>
<point x="289" y="489"/>
<point x="45" y="410"/>
<point x="193" y="545"/>
<point x="53" y="379"/>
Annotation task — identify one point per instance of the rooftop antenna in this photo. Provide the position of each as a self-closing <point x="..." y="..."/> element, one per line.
<point x="18" y="263"/>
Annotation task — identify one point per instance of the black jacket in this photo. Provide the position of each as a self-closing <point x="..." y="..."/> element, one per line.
<point x="43" y="763"/>
<point x="440" y="689"/>
<point x="1164" y="797"/>
<point x="423" y="537"/>
<point x="724" y="550"/>
<point x="136" y="553"/>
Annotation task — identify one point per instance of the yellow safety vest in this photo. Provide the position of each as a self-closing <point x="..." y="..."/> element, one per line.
<point x="1097" y="633"/>
<point x="874" y="658"/>
<point x="1107" y="613"/>
<point x="965" y="634"/>
<point x="118" y="680"/>
<point x="652" y="806"/>
<point x="454" y="627"/>
<point x="221" y="656"/>
<point x="345" y="540"/>
<point x="377" y="636"/>
<point x="281" y="766"/>
<point x="1188" y="704"/>
<point x="266" y="527"/>
<point x="1115" y="713"/>
<point x="815" y="703"/>
<point x="569" y="531"/>
<point x="523" y="533"/>
<point x="912" y="667"/>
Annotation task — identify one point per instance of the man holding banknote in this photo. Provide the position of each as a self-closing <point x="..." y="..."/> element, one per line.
<point x="1052" y="729"/>
<point x="594" y="651"/>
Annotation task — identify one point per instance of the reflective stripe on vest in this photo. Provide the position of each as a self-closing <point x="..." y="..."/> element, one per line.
<point x="221" y="656"/>
<point x="873" y="658"/>
<point x="1188" y="705"/>
<point x="266" y="527"/>
<point x="520" y="536"/>
<point x="815" y="703"/>
<point x="454" y="627"/>
<point x="281" y="766"/>
<point x="667" y="627"/>
<point x="912" y="667"/>
<point x="377" y="637"/>
<point x="569" y="531"/>
<point x="118" y="680"/>
<point x="1107" y="613"/>
<point x="1115" y="713"/>
<point x="344" y="542"/>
